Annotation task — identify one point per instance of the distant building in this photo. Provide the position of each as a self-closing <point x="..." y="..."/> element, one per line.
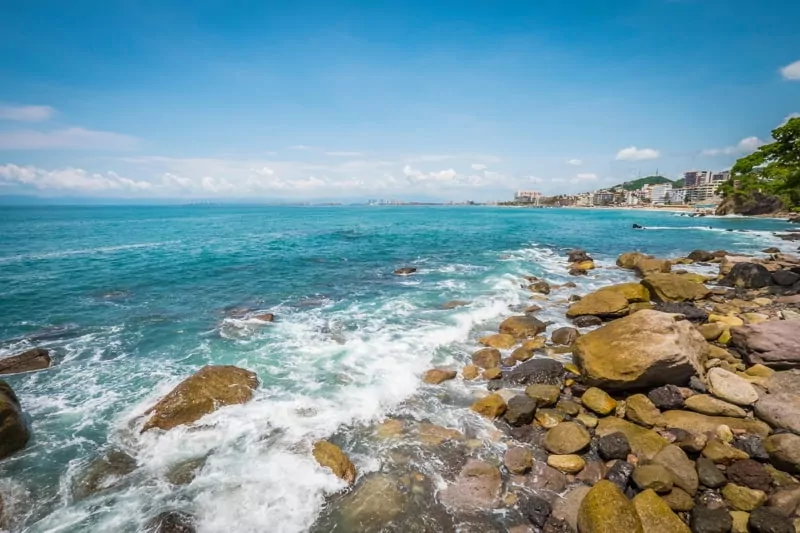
<point x="603" y="198"/>
<point x="659" y="194"/>
<point x="694" y="178"/>
<point x="719" y="177"/>
<point x="678" y="196"/>
<point x="632" y="197"/>
<point x="527" y="196"/>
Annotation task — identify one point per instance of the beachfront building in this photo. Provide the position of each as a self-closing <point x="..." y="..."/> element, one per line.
<point x="693" y="178"/>
<point x="721" y="177"/>
<point x="678" y="196"/>
<point x="659" y="194"/>
<point x="632" y="198"/>
<point x="585" y="199"/>
<point x="603" y="198"/>
<point x="528" y="197"/>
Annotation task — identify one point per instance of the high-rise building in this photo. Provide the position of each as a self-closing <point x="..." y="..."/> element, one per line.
<point x="719" y="177"/>
<point x="659" y="194"/>
<point x="527" y="196"/>
<point x="694" y="178"/>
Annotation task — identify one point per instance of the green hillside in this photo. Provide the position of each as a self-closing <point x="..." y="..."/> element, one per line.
<point x="649" y="180"/>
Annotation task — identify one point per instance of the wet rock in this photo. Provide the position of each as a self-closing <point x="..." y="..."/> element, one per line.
<point x="709" y="475"/>
<point x="749" y="473"/>
<point x="545" y="478"/>
<point x="721" y="453"/>
<point x="486" y="358"/>
<point x="470" y="372"/>
<point x="674" y="288"/>
<point x="539" y="287"/>
<point x="522" y="327"/>
<point x="492" y="373"/>
<point x="171" y="522"/>
<point x="491" y="406"/>
<point x="520" y="410"/>
<point x="578" y="256"/>
<point x="569" y="464"/>
<point x="650" y="266"/>
<point x="747" y="276"/>
<point x="613" y="446"/>
<point x="328" y="455"/>
<point x="435" y="376"/>
<point x="374" y="503"/>
<point x="27" y="361"/>
<point x="682" y="469"/>
<point x="774" y="343"/>
<point x="605" y="509"/>
<point x="708" y="405"/>
<point x="433" y="435"/>
<point x="765" y="520"/>
<point x="566" y="438"/>
<point x="730" y="387"/>
<point x="620" y="474"/>
<point x="752" y="445"/>
<point x="453" y="304"/>
<point x="184" y="473"/>
<point x="587" y="321"/>
<point x="598" y="401"/>
<point x="565" y="336"/>
<point x="206" y="391"/>
<point x="678" y="500"/>
<point x="706" y="520"/>
<point x="405" y="271"/>
<point x="502" y="341"/>
<point x="476" y="487"/>
<point x="642" y="411"/>
<point x="780" y="411"/>
<point x="103" y="473"/>
<point x="784" y="451"/>
<point x="549" y="418"/>
<point x="648" y="348"/>
<point x="593" y="472"/>
<point x="743" y="498"/>
<point x="537" y="371"/>
<point x="633" y="292"/>
<point x="645" y="443"/>
<point x="569" y="407"/>
<point x="544" y="395"/>
<point x="666" y="397"/>
<point x="603" y="304"/>
<point x="652" y="476"/>
<point x="538" y="510"/>
<point x="567" y="507"/>
<point x="656" y="515"/>
<point x="701" y="256"/>
<point x="699" y="423"/>
<point x="508" y="362"/>
<point x="628" y="260"/>
<point x="14" y="433"/>
<point x="518" y="460"/>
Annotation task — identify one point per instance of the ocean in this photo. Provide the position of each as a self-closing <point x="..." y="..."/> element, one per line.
<point x="131" y="300"/>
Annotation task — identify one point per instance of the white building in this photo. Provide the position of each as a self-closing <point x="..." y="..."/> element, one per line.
<point x="719" y="177"/>
<point x="659" y="194"/>
<point x="678" y="196"/>
<point x="632" y="198"/>
<point x="528" y="196"/>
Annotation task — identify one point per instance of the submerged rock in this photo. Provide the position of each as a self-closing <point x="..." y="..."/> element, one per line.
<point x="329" y="455"/>
<point x="376" y="502"/>
<point x="647" y="348"/>
<point x="14" y="432"/>
<point x="405" y="271"/>
<point x="171" y="522"/>
<point x="28" y="361"/>
<point x="476" y="487"/>
<point x="103" y="473"/>
<point x="202" y="393"/>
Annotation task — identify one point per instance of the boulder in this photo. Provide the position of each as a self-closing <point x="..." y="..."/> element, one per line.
<point x="785" y="278"/>
<point x="486" y="358"/>
<point x="708" y="405"/>
<point x="701" y="256"/>
<point x="477" y="487"/>
<point x="565" y="336"/>
<point x="436" y="376"/>
<point x="644" y="443"/>
<point x="774" y="343"/>
<point x="374" y="503"/>
<point x="781" y="411"/>
<point x="599" y="401"/>
<point x="28" y="361"/>
<point x="603" y="304"/>
<point x="520" y="410"/>
<point x="690" y="311"/>
<point x="523" y="326"/>
<point x="202" y="393"/>
<point x="541" y="371"/>
<point x="656" y="515"/>
<point x="633" y="292"/>
<point x="605" y="509"/>
<point x="699" y="423"/>
<point x="103" y="473"/>
<point x="569" y="464"/>
<point x="433" y="435"/>
<point x="171" y="522"/>
<point x="645" y="349"/>
<point x="578" y="256"/>
<point x="730" y="387"/>
<point x="587" y="321"/>
<point x="470" y="372"/>
<point x="747" y="276"/>
<point x="784" y="451"/>
<point x="682" y="469"/>
<point x="501" y="341"/>
<point x="328" y="455"/>
<point x="628" y="260"/>
<point x="14" y="432"/>
<point x="405" y="271"/>
<point x="674" y="288"/>
<point x="647" y="266"/>
<point x="566" y="438"/>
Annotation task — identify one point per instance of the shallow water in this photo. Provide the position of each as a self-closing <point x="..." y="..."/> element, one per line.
<point x="132" y="300"/>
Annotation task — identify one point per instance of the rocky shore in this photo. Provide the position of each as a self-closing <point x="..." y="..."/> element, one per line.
<point x="671" y="404"/>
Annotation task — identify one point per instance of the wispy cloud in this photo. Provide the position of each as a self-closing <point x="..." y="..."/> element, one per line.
<point x="71" y="179"/>
<point x="637" y="154"/>
<point x="26" y="113"/>
<point x="746" y="146"/>
<point x="585" y="176"/>
<point x="344" y="154"/>
<point x="69" y="139"/>
<point x="575" y="162"/>
<point x="478" y="166"/>
<point x="791" y="71"/>
<point x="301" y="147"/>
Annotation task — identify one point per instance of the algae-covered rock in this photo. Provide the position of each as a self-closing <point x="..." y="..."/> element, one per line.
<point x="14" y="432"/>
<point x="605" y="509"/>
<point x="491" y="406"/>
<point x="674" y="288"/>
<point x="522" y="327"/>
<point x="656" y="515"/>
<point x="331" y="456"/>
<point x="602" y="303"/>
<point x="645" y="443"/>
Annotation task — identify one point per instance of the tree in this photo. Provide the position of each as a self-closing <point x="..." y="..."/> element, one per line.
<point x="773" y="169"/>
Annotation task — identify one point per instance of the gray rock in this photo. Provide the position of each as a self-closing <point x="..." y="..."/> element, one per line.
<point x="476" y="487"/>
<point x="765" y="520"/>
<point x="542" y="371"/>
<point x="613" y="446"/>
<point x="709" y="475"/>
<point x="747" y="276"/>
<point x="520" y="410"/>
<point x="752" y="445"/>
<point x="620" y="474"/>
<point x="785" y="278"/>
<point x="683" y="471"/>
<point x="784" y="451"/>
<point x="587" y="321"/>
<point x="774" y="343"/>
<point x="706" y="520"/>
<point x="666" y="397"/>
<point x="730" y="387"/>
<point x="780" y="411"/>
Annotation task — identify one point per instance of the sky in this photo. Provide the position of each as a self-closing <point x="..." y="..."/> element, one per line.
<point x="305" y="100"/>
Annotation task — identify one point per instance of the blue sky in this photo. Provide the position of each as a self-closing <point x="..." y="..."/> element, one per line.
<point x="404" y="99"/>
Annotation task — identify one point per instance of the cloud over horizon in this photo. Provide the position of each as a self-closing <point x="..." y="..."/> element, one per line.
<point x="746" y="146"/>
<point x="636" y="154"/>
<point x="26" y="113"/>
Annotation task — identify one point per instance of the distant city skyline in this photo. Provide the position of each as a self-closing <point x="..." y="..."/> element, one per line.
<point x="355" y="100"/>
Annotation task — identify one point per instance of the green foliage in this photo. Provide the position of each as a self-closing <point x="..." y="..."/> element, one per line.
<point x="679" y="184"/>
<point x="638" y="184"/>
<point x="773" y="169"/>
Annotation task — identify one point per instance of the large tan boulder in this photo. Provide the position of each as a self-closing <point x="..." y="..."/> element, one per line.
<point x="674" y="288"/>
<point x="700" y="423"/>
<point x="522" y="327"/>
<point x="628" y="260"/>
<point x="602" y="303"/>
<point x="14" y="432"/>
<point x="329" y="455"/>
<point x="646" y="349"/>
<point x="647" y="266"/>
<point x="202" y="393"/>
<point x="27" y="361"/>
<point x="633" y="292"/>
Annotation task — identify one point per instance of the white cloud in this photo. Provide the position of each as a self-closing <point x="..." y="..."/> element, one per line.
<point x="71" y="179"/>
<point x="70" y="138"/>
<point x="415" y="176"/>
<point x="26" y="113"/>
<point x="791" y="71"/>
<point x="586" y="176"/>
<point x="637" y="154"/>
<point x="746" y="146"/>
<point x="301" y="147"/>
<point x="789" y="117"/>
<point x="478" y="166"/>
<point x="344" y="154"/>
<point x="575" y="162"/>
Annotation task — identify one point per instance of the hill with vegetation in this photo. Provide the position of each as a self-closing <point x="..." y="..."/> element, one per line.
<point x="768" y="180"/>
<point x="635" y="185"/>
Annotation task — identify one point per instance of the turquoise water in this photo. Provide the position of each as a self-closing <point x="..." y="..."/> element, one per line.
<point x="132" y="299"/>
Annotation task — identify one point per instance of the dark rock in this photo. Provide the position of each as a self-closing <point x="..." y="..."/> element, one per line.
<point x="785" y="278"/>
<point x="747" y="276"/>
<point x="711" y="499"/>
<point x="171" y="522"/>
<point x="753" y="446"/>
<point x="710" y="476"/>
<point x="184" y="473"/>
<point x="537" y="510"/>
<point x="749" y="473"/>
<point x="705" y="520"/>
<point x="14" y="432"/>
<point x="405" y="271"/>
<point x="687" y="309"/>
<point x="771" y="250"/>
<point x="539" y="287"/>
<point x="542" y="371"/>
<point x="565" y="336"/>
<point x="587" y="321"/>
<point x="543" y="477"/>
<point x="35" y="359"/>
<point x="613" y="446"/>
<point x="701" y="256"/>
<point x="578" y="256"/>
<point x="765" y="520"/>
<point x="620" y="474"/>
<point x="637" y="226"/>
<point x="666" y="397"/>
<point x="104" y="473"/>
<point x="520" y="410"/>
<point x="557" y="525"/>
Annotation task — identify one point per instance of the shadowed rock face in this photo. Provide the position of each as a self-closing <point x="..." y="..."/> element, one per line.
<point x="35" y="359"/>
<point x="774" y="343"/>
<point x="209" y="389"/>
<point x="14" y="432"/>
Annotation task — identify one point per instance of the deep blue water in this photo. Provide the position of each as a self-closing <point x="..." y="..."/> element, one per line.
<point x="132" y="299"/>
